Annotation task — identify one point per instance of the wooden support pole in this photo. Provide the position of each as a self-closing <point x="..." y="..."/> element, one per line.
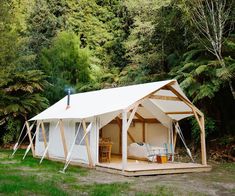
<point x="147" y="120"/>
<point x="44" y="137"/>
<point x="180" y="112"/>
<point x="203" y="141"/>
<point x="128" y="133"/>
<point x="63" y="138"/>
<point x="165" y="98"/>
<point x="30" y="137"/>
<point x="133" y="112"/>
<point x="139" y="116"/>
<point x="119" y="122"/>
<point x="87" y="144"/>
<point x="174" y="138"/>
<point x="200" y="121"/>
<point x="124" y="140"/>
<point x="101" y="132"/>
<point x="143" y="131"/>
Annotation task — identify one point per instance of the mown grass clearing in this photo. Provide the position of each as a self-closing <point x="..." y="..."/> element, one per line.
<point x="28" y="177"/>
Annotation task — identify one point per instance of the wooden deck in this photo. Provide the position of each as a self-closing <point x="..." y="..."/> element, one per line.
<point x="139" y="168"/>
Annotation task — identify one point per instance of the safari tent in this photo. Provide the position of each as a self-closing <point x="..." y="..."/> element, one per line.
<point x="139" y="123"/>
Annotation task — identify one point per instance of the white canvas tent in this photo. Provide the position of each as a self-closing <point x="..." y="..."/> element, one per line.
<point x="56" y="126"/>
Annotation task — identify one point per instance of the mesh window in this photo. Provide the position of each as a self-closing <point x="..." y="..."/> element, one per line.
<point x="40" y="136"/>
<point x="81" y="134"/>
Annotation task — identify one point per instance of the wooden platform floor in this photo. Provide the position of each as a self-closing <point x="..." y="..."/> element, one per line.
<point x="138" y="168"/>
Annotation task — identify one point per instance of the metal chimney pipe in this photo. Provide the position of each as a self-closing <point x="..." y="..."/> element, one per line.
<point x="68" y="99"/>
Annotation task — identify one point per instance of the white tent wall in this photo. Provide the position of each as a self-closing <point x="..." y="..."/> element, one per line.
<point x="136" y="132"/>
<point x="56" y="149"/>
<point x="157" y="113"/>
<point x="107" y="117"/>
<point x="155" y="133"/>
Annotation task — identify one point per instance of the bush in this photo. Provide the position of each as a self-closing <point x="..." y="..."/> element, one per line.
<point x="12" y="131"/>
<point x="210" y="128"/>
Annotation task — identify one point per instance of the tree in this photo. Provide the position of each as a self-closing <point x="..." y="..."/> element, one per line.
<point x="157" y="40"/>
<point x="101" y="25"/>
<point x="210" y="17"/>
<point x="45" y="20"/>
<point x="20" y="85"/>
<point x="65" y="63"/>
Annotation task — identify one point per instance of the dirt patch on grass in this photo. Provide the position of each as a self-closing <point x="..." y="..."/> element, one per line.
<point x="95" y="176"/>
<point x="177" y="184"/>
<point x="9" y="162"/>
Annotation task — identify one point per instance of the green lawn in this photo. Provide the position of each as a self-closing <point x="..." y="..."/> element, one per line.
<point x="27" y="177"/>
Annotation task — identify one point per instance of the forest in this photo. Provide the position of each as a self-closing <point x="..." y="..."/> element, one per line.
<point x="48" y="46"/>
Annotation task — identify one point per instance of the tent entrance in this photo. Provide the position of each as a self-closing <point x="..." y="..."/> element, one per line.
<point x="144" y="132"/>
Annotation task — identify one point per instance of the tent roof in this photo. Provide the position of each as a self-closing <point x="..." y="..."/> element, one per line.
<point x="95" y="103"/>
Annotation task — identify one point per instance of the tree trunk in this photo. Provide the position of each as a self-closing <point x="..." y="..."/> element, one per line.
<point x="232" y="89"/>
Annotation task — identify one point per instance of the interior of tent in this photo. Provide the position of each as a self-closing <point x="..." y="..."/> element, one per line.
<point x="144" y="130"/>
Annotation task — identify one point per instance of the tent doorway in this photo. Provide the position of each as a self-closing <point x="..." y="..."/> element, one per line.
<point x="144" y="130"/>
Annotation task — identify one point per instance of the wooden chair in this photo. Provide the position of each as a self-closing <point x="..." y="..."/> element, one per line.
<point x="105" y="147"/>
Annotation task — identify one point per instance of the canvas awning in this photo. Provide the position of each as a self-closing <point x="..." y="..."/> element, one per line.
<point x="114" y="100"/>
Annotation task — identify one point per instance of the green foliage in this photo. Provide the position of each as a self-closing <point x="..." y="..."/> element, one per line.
<point x="87" y="45"/>
<point x="46" y="18"/>
<point x="200" y="76"/>
<point x="156" y="24"/>
<point x="20" y="93"/>
<point x="20" y="85"/>
<point x="99" y="27"/>
<point x="65" y="63"/>
<point x="13" y="127"/>
<point x="210" y="129"/>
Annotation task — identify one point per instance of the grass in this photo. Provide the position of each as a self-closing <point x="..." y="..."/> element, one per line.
<point x="19" y="176"/>
<point x="28" y="177"/>
<point x="104" y="189"/>
<point x="23" y="177"/>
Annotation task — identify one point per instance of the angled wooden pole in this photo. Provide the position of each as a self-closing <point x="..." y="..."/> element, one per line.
<point x="87" y="144"/>
<point x="44" y="137"/>
<point x="63" y="138"/>
<point x="169" y="87"/>
<point x="30" y="137"/>
<point x="131" y="137"/>
<point x="133" y="112"/>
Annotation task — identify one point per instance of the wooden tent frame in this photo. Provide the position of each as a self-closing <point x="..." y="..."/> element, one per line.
<point x="126" y="122"/>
